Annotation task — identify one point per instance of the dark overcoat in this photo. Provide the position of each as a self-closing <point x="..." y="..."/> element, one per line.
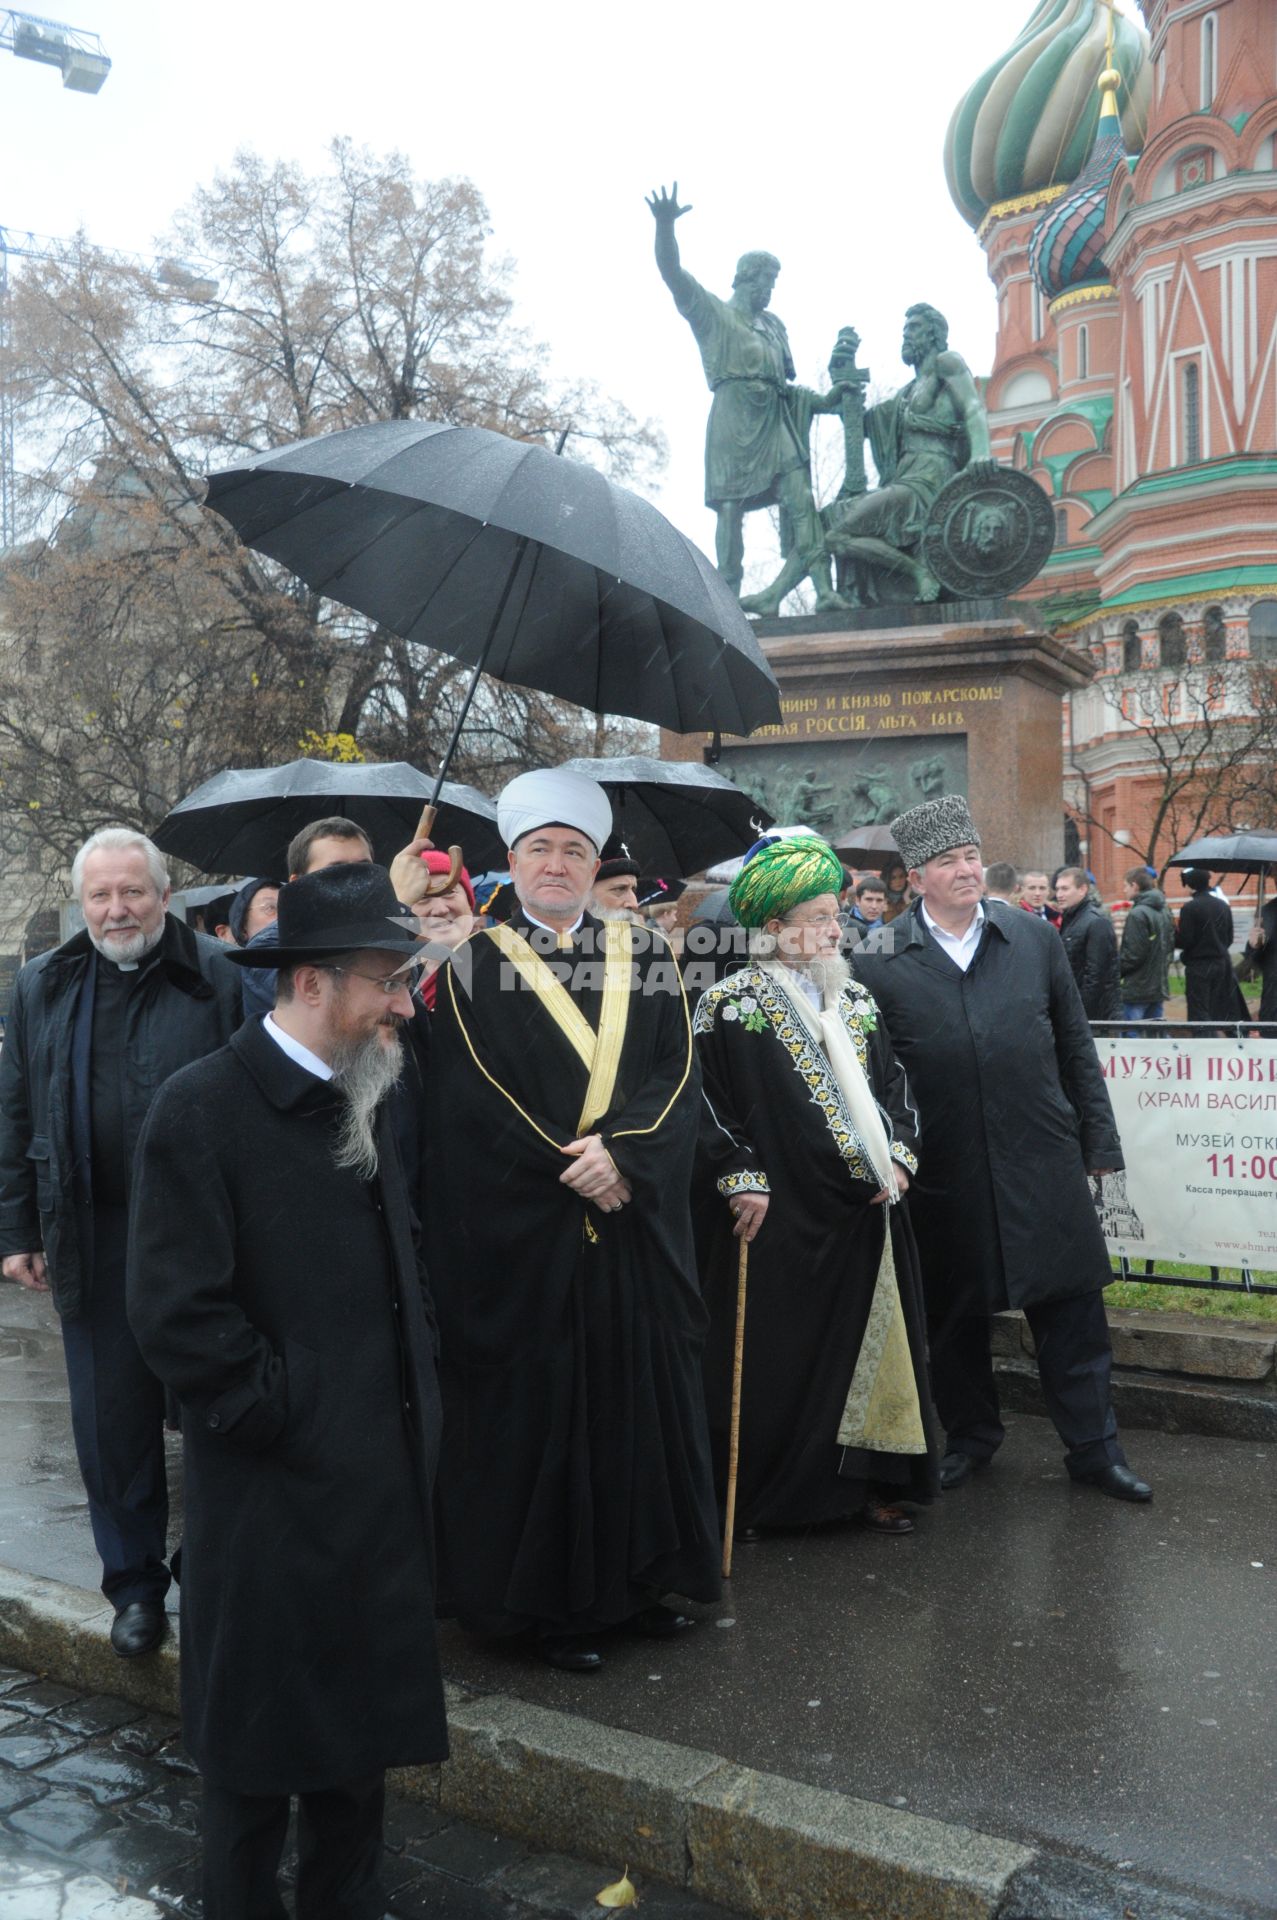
<point x="187" y="1004"/>
<point x="283" y="1302"/>
<point x="1204" y="936"/>
<point x="1013" y="1110"/>
<point x="1091" y="946"/>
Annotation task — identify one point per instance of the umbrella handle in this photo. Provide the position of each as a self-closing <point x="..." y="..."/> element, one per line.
<point x="439" y="882"/>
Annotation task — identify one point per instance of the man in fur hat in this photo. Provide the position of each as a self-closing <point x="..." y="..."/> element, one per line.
<point x="981" y="1004"/>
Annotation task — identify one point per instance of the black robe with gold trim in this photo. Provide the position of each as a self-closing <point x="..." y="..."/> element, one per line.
<point x="574" y="1481"/>
<point x="824" y="1350"/>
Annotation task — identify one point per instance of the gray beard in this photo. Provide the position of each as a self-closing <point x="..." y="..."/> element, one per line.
<point x="364" y="1071"/>
<point x="128" y="953"/>
<point x="828" y="971"/>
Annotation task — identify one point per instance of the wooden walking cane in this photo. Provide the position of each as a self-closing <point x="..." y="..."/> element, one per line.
<point x="733" y="1454"/>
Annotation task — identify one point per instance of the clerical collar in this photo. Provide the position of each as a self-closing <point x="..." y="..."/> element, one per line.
<point x="296" y="1051"/>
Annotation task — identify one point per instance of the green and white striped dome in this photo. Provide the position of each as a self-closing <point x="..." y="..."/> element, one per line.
<point x="1029" y="121"/>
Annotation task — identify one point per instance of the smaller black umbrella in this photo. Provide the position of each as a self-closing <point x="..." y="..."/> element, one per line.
<point x="241" y="821"/>
<point x="1230" y="853"/>
<point x="675" y="816"/>
<point x="867" y="847"/>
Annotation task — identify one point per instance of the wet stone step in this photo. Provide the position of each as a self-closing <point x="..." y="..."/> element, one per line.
<point x="107" y="1777"/>
<point x="41" y="1698"/>
<point x="61" y="1821"/>
<point x="96" y="1714"/>
<point x="34" y="1742"/>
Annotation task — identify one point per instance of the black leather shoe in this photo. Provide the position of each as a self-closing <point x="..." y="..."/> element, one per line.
<point x="138" y="1628"/>
<point x="571" y="1656"/>
<point x="957" y="1468"/>
<point x="1118" y="1481"/>
<point x="659" y="1623"/>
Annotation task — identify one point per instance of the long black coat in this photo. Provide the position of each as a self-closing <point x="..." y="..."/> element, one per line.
<point x="1204" y="937"/>
<point x="282" y="1300"/>
<point x="1013" y="1111"/>
<point x="187" y="1004"/>
<point x="1091" y="945"/>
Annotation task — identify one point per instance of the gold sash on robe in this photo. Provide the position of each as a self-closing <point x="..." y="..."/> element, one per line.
<point x="599" y="1053"/>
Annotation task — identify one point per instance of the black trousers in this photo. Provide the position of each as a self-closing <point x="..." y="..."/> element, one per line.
<point x="338" y="1852"/>
<point x="1075" y="1360"/>
<point x="117" y="1417"/>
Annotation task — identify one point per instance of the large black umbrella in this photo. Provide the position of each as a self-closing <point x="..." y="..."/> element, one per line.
<point x="676" y="816"/>
<point x="525" y="565"/>
<point x="1230" y="853"/>
<point x="867" y="847"/>
<point x="241" y="821"/>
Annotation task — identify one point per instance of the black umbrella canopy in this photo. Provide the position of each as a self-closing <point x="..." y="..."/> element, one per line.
<point x="1230" y="853"/>
<point x="676" y="817"/>
<point x="867" y="847"/>
<point x="498" y="552"/>
<point x="241" y="821"/>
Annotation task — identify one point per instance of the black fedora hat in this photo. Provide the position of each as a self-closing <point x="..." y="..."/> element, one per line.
<point x="339" y="909"/>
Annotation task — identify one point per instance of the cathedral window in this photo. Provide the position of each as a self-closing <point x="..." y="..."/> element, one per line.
<point x="1214" y="635"/>
<point x="1083" y="353"/>
<point x="1263" y="631"/>
<point x="1061" y="527"/>
<point x="1130" y="647"/>
<point x="1192" y="414"/>
<point x="1210" y="61"/>
<point x="1172" y="642"/>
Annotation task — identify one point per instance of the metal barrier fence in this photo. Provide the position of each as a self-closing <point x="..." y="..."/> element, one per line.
<point x="1188" y="1030"/>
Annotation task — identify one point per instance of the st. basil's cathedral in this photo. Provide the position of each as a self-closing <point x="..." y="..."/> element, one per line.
<point x="1122" y="181"/>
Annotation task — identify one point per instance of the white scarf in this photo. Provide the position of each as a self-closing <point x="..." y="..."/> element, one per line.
<point x="827" y="1030"/>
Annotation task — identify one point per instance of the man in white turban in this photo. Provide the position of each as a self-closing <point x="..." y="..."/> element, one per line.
<point x="574" y="1483"/>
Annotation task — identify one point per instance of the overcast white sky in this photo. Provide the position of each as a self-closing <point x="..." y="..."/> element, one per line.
<point x="813" y="130"/>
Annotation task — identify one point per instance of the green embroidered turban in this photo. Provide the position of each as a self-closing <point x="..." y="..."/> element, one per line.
<point x="779" y="875"/>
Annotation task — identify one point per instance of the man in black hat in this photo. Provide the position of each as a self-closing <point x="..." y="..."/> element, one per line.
<point x="275" y="1286"/>
<point x="984" y="1014"/>
<point x="614" y="895"/>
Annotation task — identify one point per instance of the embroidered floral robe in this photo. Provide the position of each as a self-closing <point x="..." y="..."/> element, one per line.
<point x="775" y="1122"/>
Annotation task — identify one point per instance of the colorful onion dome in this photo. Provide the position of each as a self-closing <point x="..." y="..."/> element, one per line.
<point x="1029" y="122"/>
<point x="1064" y="252"/>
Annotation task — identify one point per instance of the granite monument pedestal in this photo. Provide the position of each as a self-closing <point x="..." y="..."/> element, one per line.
<point x="883" y="708"/>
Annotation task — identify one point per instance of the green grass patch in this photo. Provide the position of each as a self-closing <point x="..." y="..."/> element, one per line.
<point x="1202" y="1300"/>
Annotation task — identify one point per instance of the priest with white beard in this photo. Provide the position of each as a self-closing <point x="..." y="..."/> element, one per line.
<point x="807" y="1144"/>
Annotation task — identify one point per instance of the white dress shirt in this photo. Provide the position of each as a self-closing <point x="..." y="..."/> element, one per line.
<point x="296" y="1051"/>
<point x="960" y="947"/>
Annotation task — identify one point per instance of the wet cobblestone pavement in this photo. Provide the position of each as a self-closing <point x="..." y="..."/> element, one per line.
<point x="99" y="1820"/>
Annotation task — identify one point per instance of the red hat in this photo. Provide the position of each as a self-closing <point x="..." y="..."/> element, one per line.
<point x="440" y="862"/>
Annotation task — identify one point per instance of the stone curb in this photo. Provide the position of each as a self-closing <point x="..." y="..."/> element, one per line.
<point x="768" y="1846"/>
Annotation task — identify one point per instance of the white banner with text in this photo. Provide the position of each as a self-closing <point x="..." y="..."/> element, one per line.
<point x="1198" y="1120"/>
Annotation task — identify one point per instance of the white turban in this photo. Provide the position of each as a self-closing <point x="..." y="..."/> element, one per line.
<point x="553" y="798"/>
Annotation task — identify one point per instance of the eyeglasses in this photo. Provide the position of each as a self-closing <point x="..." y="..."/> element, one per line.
<point x="402" y="979"/>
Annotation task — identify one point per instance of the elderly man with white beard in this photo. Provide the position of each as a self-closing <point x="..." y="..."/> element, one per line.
<point x="95" y="1027"/>
<point x="275" y="1286"/>
<point x="808" y="1145"/>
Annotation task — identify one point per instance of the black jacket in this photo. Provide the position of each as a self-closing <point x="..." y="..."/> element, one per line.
<point x="1012" y="1106"/>
<point x="1091" y="945"/>
<point x="281" y="1299"/>
<point x="188" y="1004"/>
<point x="1264" y="963"/>
<point x="1205" y="936"/>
